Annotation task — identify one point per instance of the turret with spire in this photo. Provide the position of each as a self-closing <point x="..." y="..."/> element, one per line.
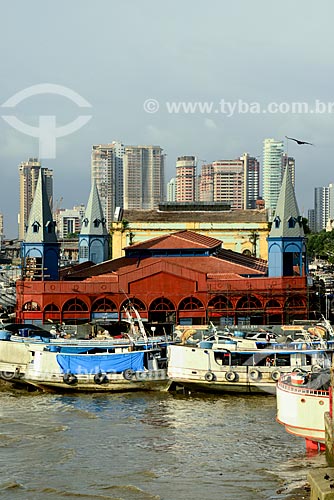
<point x="286" y="240"/>
<point x="94" y="237"/>
<point x="40" y="248"/>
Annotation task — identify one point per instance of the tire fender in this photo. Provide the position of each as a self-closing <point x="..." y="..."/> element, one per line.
<point x="210" y="377"/>
<point x="231" y="376"/>
<point x="129" y="374"/>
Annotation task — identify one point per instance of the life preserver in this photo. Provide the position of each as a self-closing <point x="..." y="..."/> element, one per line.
<point x="231" y="376"/>
<point x="254" y="374"/>
<point x="129" y="374"/>
<point x="316" y="368"/>
<point x="210" y="377"/>
<point x="275" y="375"/>
<point x="70" y="379"/>
<point x="7" y="375"/>
<point x="101" y="378"/>
<point x="297" y="370"/>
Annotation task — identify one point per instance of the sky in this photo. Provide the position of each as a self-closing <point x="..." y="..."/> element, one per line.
<point x="130" y="60"/>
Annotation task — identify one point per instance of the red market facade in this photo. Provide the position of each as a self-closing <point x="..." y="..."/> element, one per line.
<point x="167" y="290"/>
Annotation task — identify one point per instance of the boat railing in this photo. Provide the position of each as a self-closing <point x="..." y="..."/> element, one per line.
<point x="304" y="390"/>
<point x="299" y="345"/>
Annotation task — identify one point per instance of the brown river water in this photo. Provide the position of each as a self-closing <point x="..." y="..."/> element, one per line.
<point x="147" y="446"/>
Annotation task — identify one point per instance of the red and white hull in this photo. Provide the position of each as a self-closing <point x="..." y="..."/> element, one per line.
<point x="302" y="410"/>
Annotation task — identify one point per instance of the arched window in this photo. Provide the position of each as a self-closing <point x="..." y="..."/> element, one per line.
<point x="190" y="303"/>
<point x="75" y="305"/>
<point x="136" y="303"/>
<point x="295" y="302"/>
<point x="104" y="305"/>
<point x="162" y="304"/>
<point x="51" y="307"/>
<point x="31" y="306"/>
<point x="249" y="302"/>
<point x="272" y="303"/>
<point x="220" y="302"/>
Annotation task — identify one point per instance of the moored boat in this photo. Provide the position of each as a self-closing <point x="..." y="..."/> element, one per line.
<point x="204" y="368"/>
<point x="102" y="369"/>
<point x="302" y="400"/>
<point x="20" y="344"/>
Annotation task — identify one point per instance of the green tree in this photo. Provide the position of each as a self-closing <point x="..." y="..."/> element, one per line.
<point x="321" y="245"/>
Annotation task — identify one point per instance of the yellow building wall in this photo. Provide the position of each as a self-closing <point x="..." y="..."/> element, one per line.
<point x="234" y="236"/>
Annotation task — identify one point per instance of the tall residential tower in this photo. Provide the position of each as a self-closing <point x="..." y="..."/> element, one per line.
<point x="107" y="173"/>
<point x="143" y="177"/>
<point x="272" y="173"/>
<point x="186" y="178"/>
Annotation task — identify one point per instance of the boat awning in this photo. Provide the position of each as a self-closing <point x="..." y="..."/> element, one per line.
<point x="94" y="363"/>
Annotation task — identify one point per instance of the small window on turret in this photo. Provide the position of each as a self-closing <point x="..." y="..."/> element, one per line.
<point x="277" y="222"/>
<point x="35" y="226"/>
<point x="292" y="222"/>
<point x="49" y="226"/>
<point x="96" y="222"/>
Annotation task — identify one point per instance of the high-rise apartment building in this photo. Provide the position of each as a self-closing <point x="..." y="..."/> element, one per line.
<point x="288" y="160"/>
<point x="251" y="181"/>
<point x="28" y="174"/>
<point x="272" y="173"/>
<point x="311" y="219"/>
<point x="107" y="171"/>
<point x="321" y="207"/>
<point x="228" y="182"/>
<point x="186" y="177"/>
<point x="234" y="182"/>
<point x="143" y="181"/>
<point x="206" y="183"/>
<point x="171" y="190"/>
<point x="69" y="221"/>
<point x="1" y="230"/>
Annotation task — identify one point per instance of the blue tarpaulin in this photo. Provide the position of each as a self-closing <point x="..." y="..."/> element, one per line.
<point x="95" y="363"/>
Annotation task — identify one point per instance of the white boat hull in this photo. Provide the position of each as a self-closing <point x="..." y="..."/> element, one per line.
<point x="302" y="411"/>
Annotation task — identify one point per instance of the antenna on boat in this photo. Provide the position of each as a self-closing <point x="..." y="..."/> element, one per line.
<point x="138" y="317"/>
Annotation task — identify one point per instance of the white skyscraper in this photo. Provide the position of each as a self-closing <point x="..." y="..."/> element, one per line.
<point x="171" y="191"/>
<point x="272" y="173"/>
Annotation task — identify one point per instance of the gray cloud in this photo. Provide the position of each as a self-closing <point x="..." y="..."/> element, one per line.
<point x="116" y="54"/>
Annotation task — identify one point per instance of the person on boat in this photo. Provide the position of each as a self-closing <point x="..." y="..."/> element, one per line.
<point x="268" y="361"/>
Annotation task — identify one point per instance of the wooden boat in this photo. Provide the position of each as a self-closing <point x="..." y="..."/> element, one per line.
<point x="204" y="368"/>
<point x="20" y="345"/>
<point x="302" y="400"/>
<point x="102" y="369"/>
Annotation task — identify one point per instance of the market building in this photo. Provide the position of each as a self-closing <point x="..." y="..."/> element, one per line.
<point x="183" y="277"/>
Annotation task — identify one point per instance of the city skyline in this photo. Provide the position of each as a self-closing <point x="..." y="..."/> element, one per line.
<point x="168" y="64"/>
<point x="107" y="157"/>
